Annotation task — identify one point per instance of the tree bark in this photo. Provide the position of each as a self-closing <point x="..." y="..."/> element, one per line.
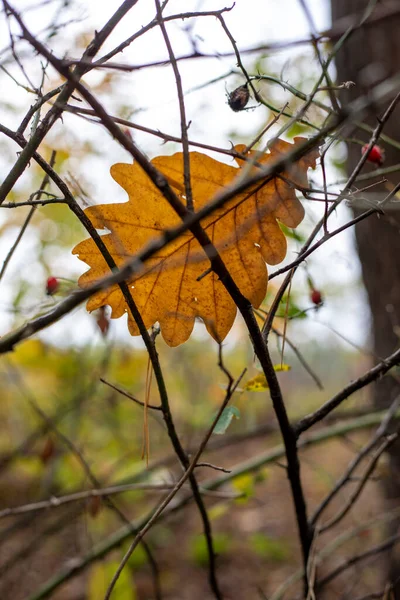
<point x="371" y="55"/>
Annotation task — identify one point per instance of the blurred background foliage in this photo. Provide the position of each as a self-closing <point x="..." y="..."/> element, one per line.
<point x="59" y="420"/>
<point x="56" y="412"/>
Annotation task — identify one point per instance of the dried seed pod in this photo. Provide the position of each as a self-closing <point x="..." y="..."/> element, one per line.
<point x="94" y="506"/>
<point x="238" y="99"/>
<point x="47" y="451"/>
<point x="103" y="321"/>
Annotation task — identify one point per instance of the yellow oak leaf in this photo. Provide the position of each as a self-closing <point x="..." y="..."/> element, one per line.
<point x="245" y="231"/>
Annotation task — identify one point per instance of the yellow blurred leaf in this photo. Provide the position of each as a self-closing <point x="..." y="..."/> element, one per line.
<point x="100" y="577"/>
<point x="218" y="510"/>
<point x="282" y="367"/>
<point x="259" y="382"/>
<point x="244" y="484"/>
<point x="245" y="231"/>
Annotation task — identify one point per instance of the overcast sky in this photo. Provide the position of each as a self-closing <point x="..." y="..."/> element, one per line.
<point x="149" y="95"/>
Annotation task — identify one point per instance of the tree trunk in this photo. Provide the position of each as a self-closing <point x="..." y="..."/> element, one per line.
<point x="371" y="55"/>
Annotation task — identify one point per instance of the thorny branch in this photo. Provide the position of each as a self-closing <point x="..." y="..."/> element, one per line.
<point x="339" y="119"/>
<point x="219" y="268"/>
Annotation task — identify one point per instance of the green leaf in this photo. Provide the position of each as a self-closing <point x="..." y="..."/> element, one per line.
<point x="99" y="579"/>
<point x="340" y="164"/>
<point x="225" y="419"/>
<point x="294" y="234"/>
<point x="288" y="309"/>
<point x="138" y="558"/>
<point x="245" y="485"/>
<point x="269" y="548"/>
<point x="291" y="312"/>
<point x="218" y="510"/>
<point x="199" y="551"/>
<point x="297" y="129"/>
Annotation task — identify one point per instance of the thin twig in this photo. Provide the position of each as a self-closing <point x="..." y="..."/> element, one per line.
<point x="57" y="501"/>
<point x="128" y="395"/>
<point x="55" y="112"/>
<point x="248" y="466"/>
<point x="28" y="219"/>
<point x="88" y="471"/>
<point x="364" y="479"/>
<point x="164" y="504"/>
<point x="371" y="375"/>
<point x="380" y="432"/>
<point x="301" y="359"/>
<point x="182" y="111"/>
<point x="307" y="246"/>
<point x="350" y="562"/>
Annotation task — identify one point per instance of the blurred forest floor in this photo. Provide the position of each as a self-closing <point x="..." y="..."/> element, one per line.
<point x="52" y="396"/>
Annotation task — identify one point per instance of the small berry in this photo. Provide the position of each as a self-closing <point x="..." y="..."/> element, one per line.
<point x="52" y="285"/>
<point x="238" y="99"/>
<point x="376" y="155"/>
<point x="316" y="297"/>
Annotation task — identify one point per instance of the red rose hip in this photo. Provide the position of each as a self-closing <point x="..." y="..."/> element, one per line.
<point x="376" y="155"/>
<point x="316" y="297"/>
<point x="52" y="285"/>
